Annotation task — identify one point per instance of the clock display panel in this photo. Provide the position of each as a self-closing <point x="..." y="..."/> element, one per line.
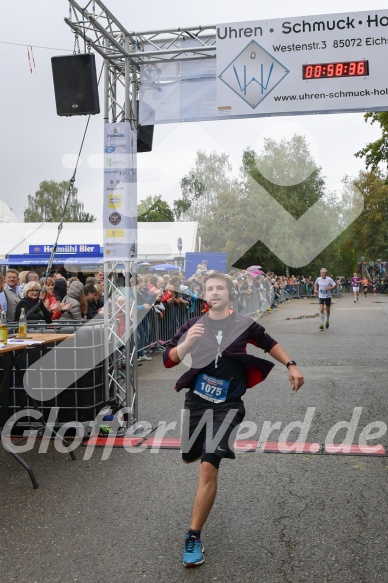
<point x="335" y="70"/>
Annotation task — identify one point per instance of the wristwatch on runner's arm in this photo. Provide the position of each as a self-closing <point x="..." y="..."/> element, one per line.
<point x="290" y="363"/>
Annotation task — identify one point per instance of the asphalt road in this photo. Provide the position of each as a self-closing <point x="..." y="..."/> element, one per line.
<point x="278" y="518"/>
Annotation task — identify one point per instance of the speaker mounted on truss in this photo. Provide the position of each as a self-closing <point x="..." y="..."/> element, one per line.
<point x="75" y="84"/>
<point x="145" y="133"/>
<point x="145" y="136"/>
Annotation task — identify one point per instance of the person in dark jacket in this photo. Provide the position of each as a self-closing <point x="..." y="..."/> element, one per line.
<point x="94" y="309"/>
<point x="219" y="374"/>
<point x="60" y="289"/>
<point x="32" y="304"/>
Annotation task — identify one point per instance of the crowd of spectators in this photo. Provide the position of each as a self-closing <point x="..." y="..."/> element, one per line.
<point x="82" y="298"/>
<point x="164" y="301"/>
<point x="51" y="298"/>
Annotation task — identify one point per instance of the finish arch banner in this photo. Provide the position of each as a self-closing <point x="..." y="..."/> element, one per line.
<point x="331" y="63"/>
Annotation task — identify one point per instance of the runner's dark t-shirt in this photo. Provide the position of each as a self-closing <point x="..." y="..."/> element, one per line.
<point x="225" y="368"/>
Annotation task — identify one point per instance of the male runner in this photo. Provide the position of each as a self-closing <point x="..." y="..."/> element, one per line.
<point x="323" y="287"/>
<point x="219" y="374"/>
<point x="365" y="285"/>
<point x="356" y="281"/>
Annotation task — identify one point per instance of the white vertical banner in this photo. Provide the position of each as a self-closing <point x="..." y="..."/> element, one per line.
<point x="120" y="192"/>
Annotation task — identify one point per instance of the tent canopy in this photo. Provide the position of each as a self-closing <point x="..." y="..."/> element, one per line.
<point x="156" y="241"/>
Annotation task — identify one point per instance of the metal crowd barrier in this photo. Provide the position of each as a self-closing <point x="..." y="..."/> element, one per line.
<point x="65" y="326"/>
<point x="302" y="290"/>
<point x="337" y="292"/>
<point x="157" y="327"/>
<point x="68" y="378"/>
<point x="255" y="303"/>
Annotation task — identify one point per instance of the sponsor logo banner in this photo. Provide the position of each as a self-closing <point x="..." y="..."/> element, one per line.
<point x="120" y="192"/>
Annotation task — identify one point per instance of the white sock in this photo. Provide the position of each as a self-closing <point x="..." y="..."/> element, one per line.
<point x="322" y="318"/>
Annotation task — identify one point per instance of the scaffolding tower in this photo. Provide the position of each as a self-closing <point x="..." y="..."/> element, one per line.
<point x="124" y="53"/>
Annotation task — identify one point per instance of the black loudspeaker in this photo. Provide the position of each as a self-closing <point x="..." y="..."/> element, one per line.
<point x="145" y="135"/>
<point x="75" y="84"/>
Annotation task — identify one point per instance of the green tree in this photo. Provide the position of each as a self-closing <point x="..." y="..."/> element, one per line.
<point x="154" y="210"/>
<point x="48" y="205"/>
<point x="287" y="171"/>
<point x="209" y="176"/>
<point x="232" y="216"/>
<point x="376" y="152"/>
<point x="341" y="256"/>
<point x="368" y="234"/>
<point x="180" y="208"/>
<point x="371" y="227"/>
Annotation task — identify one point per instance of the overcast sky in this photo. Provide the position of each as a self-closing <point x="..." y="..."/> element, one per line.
<point x="37" y="143"/>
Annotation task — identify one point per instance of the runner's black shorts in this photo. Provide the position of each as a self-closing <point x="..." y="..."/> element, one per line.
<point x="209" y="419"/>
<point x="326" y="301"/>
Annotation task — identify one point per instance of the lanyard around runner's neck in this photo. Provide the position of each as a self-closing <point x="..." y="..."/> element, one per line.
<point x="219" y="336"/>
<point x="219" y="353"/>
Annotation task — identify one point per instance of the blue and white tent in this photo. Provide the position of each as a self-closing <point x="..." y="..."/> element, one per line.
<point x="82" y="243"/>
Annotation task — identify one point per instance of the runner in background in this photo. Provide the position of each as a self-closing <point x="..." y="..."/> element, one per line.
<point x="365" y="285"/>
<point x="356" y="281"/>
<point x="323" y="287"/>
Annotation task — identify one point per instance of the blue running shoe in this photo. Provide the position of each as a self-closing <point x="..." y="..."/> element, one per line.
<point x="193" y="553"/>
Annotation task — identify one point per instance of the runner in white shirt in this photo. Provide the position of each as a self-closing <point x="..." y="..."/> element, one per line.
<point x="323" y="287"/>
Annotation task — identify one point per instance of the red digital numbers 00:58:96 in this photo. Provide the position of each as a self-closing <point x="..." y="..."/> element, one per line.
<point x="335" y="70"/>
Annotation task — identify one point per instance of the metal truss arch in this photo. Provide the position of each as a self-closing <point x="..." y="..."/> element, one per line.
<point x="124" y="53"/>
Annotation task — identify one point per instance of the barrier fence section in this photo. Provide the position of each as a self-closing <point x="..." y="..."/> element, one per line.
<point x="68" y="379"/>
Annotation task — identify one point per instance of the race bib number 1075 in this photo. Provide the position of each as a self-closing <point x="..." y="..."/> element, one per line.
<point x="211" y="389"/>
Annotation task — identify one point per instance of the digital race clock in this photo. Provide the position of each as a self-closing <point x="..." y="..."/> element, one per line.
<point x="335" y="70"/>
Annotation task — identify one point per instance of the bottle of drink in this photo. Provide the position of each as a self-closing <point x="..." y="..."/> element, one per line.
<point x="22" y="324"/>
<point x="3" y="328"/>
